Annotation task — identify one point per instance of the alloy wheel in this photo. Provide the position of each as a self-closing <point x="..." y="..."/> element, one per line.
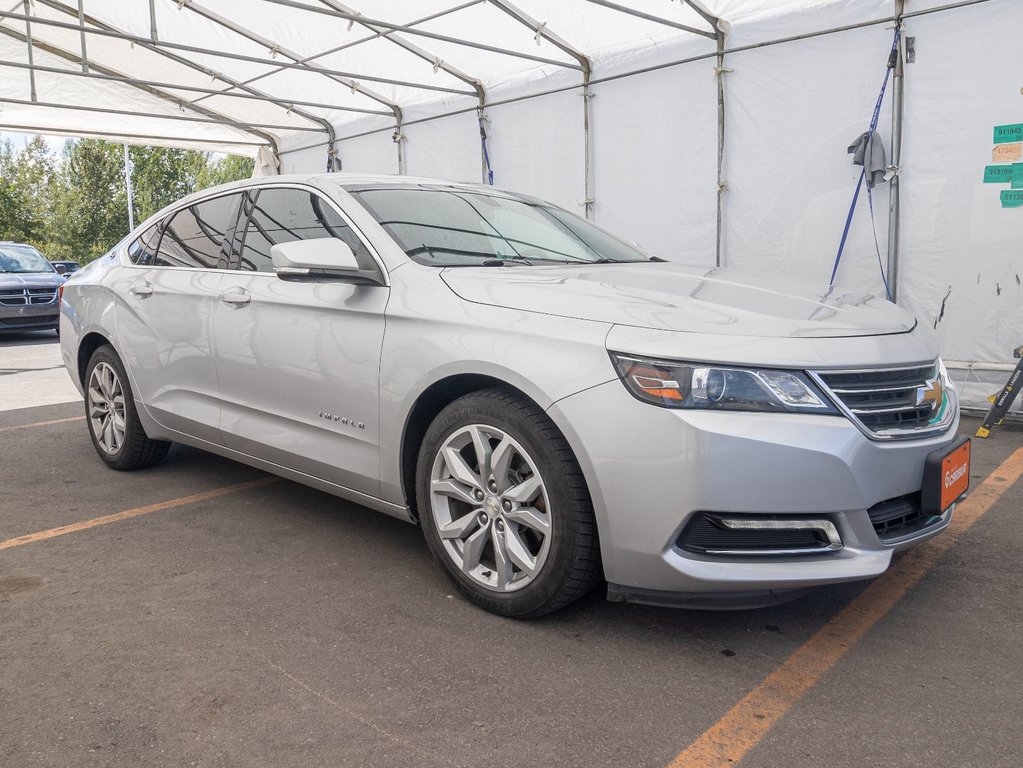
<point x="490" y="507"/>
<point x="106" y="408"/>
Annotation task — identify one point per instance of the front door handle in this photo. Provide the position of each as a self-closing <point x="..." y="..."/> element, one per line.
<point x="141" y="290"/>
<point x="237" y="298"/>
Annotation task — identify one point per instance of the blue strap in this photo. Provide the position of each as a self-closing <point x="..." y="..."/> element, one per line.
<point x="486" y="158"/>
<point x="863" y="175"/>
<point x="483" y="142"/>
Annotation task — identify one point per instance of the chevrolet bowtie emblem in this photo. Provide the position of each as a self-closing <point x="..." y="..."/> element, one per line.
<point x="933" y="392"/>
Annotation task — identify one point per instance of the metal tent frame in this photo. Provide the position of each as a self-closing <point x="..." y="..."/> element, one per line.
<point x="196" y="95"/>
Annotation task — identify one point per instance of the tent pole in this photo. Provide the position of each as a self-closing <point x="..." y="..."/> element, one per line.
<point x="541" y="30"/>
<point x="721" y="30"/>
<point x="127" y="187"/>
<point x="31" y="62"/>
<point x="894" y="207"/>
<point x="587" y="144"/>
<point x="81" y="27"/>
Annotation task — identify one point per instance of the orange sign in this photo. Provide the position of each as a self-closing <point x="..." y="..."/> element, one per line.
<point x="955" y="475"/>
<point x="1007" y="153"/>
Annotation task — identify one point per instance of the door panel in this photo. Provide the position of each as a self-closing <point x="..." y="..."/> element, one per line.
<point x="298" y="360"/>
<point x="166" y="342"/>
<point x="165" y="318"/>
<point x="295" y="351"/>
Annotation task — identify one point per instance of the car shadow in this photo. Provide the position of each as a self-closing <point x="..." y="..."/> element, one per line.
<point x="27" y="338"/>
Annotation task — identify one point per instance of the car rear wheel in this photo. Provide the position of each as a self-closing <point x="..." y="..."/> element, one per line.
<point x="504" y="506"/>
<point x="117" y="434"/>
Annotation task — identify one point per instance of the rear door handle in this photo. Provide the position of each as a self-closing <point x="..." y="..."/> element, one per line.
<point x="141" y="290"/>
<point x="238" y="298"/>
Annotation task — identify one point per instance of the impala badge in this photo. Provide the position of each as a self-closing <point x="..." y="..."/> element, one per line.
<point x="342" y="420"/>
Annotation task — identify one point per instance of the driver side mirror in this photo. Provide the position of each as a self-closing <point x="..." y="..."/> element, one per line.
<point x="60" y="269"/>
<point x="319" y="257"/>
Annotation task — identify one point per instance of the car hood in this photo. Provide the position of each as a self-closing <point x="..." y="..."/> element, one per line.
<point x="9" y="280"/>
<point x="673" y="297"/>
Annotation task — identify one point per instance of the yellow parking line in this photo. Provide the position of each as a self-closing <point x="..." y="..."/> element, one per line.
<point x="119" y="516"/>
<point x="42" y="423"/>
<point x="745" y="725"/>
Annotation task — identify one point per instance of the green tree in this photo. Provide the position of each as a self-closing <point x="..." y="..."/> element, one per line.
<point x="76" y="206"/>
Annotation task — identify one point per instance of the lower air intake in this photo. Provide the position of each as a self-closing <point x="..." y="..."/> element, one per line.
<point x="717" y="534"/>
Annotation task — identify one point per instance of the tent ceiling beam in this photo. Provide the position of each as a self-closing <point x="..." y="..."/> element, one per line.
<point x="108" y="75"/>
<point x="541" y="30"/>
<point x="706" y="15"/>
<point x="249" y="34"/>
<point x="437" y="63"/>
<point x="299" y="65"/>
<point x="105" y="73"/>
<point x="137" y="138"/>
<point x="655" y="19"/>
<point x="407" y="29"/>
<point x="155" y="115"/>
<point x="430" y="58"/>
<point x="326" y="125"/>
<point x="280" y="68"/>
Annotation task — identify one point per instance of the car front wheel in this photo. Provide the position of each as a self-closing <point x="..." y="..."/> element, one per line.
<point x="504" y="506"/>
<point x="117" y="434"/>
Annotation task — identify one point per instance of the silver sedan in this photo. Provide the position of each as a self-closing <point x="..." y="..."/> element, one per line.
<point x="555" y="407"/>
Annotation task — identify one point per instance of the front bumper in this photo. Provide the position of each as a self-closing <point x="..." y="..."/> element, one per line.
<point x="29" y="318"/>
<point x="650" y="469"/>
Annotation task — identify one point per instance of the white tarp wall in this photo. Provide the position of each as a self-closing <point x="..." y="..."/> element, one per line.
<point x="792" y="110"/>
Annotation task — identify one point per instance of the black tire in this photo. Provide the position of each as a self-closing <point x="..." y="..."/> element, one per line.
<point x="137" y="450"/>
<point x="572" y="566"/>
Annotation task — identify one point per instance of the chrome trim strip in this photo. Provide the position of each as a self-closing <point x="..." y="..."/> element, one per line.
<point x="900" y="409"/>
<point x="747" y="524"/>
<point x="875" y="391"/>
<point x="887" y="434"/>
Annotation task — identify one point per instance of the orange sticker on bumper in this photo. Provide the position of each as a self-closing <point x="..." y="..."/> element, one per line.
<point x="955" y="475"/>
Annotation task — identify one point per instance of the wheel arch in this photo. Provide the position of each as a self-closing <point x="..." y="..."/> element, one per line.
<point x="87" y="348"/>
<point x="430" y="402"/>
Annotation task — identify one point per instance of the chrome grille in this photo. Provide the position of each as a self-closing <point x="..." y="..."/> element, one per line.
<point x="893" y="402"/>
<point x="19" y="297"/>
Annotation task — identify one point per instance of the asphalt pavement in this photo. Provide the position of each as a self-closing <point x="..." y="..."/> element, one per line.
<point x="221" y="623"/>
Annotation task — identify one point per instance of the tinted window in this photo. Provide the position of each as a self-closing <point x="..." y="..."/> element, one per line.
<point x="448" y="226"/>
<point x="143" y="249"/>
<point x="196" y="236"/>
<point x="284" y="215"/>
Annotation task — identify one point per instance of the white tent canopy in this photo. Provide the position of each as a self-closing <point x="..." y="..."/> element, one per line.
<point x="713" y="131"/>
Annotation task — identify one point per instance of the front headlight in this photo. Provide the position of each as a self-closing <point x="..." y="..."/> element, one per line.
<point x="718" y="387"/>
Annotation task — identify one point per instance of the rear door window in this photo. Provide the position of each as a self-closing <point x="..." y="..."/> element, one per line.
<point x="142" y="250"/>
<point x="281" y="215"/>
<point x="200" y="236"/>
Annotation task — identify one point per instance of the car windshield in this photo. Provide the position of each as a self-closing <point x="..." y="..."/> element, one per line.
<point x="449" y="227"/>
<point x="22" y="258"/>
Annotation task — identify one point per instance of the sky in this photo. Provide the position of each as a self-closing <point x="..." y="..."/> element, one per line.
<point x="55" y="143"/>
